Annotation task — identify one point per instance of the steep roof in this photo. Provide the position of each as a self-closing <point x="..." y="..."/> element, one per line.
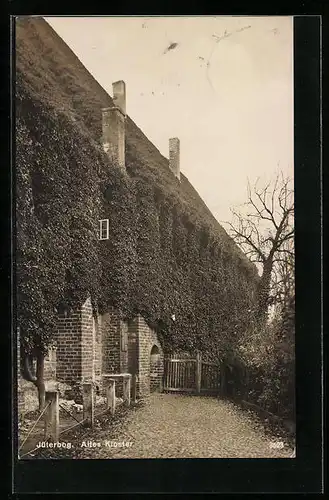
<point x="50" y="72"/>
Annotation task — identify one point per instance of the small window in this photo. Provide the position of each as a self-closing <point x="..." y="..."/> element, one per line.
<point x="104" y="229"/>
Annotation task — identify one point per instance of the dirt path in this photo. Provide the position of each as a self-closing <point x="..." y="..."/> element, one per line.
<point x="178" y="426"/>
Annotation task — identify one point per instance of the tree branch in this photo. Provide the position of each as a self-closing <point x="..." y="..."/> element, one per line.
<point x="264" y="233"/>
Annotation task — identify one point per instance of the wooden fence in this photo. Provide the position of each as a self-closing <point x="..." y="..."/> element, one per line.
<point x="191" y="375"/>
<point x="49" y="421"/>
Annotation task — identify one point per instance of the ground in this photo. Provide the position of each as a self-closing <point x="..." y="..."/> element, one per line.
<point x="179" y="426"/>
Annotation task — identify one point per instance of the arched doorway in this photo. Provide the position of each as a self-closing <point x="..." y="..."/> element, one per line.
<point x="155" y="370"/>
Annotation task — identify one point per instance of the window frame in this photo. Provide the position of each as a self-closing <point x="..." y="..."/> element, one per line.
<point x="101" y="229"/>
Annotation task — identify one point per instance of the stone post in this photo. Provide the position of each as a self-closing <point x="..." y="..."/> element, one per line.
<point x="88" y="404"/>
<point x="52" y="416"/>
<point x="133" y="387"/>
<point x="110" y="396"/>
<point x="126" y="389"/>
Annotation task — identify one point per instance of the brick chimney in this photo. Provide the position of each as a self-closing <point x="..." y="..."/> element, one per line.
<point x="174" y="149"/>
<point x="113" y="125"/>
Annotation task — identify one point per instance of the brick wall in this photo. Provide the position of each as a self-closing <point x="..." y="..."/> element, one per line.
<point x="156" y="364"/>
<point x="149" y="374"/>
<point x="111" y="358"/>
<point x="90" y="345"/>
<point x="97" y="333"/>
<point x="87" y="341"/>
<point x="124" y="335"/>
<point x="133" y="346"/>
<point x="114" y="359"/>
<point x="75" y="345"/>
<point x="69" y="346"/>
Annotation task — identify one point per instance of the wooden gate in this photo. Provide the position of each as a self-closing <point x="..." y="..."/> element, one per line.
<point x="191" y="375"/>
<point x="179" y="375"/>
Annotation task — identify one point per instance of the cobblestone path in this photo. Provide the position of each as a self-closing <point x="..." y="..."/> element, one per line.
<point x="180" y="426"/>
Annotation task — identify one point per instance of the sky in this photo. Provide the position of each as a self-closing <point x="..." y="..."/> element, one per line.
<point x="225" y="90"/>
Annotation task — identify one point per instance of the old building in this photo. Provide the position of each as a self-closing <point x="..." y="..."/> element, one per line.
<point x="71" y="135"/>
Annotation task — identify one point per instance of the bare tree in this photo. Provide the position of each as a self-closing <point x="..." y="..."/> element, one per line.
<point x="264" y="230"/>
<point x="283" y="276"/>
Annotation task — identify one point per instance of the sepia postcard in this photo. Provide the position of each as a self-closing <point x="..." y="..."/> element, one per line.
<point x="155" y="230"/>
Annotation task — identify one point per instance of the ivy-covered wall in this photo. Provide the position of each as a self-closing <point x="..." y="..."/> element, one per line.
<point x="167" y="255"/>
<point x="161" y="259"/>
